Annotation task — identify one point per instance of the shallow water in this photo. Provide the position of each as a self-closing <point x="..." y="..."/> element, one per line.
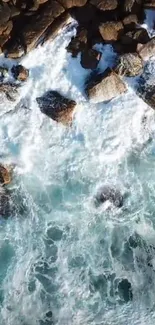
<point x="59" y="252"/>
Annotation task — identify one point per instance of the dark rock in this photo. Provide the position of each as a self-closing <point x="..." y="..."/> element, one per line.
<point x="146" y="91"/>
<point x="111" y="31"/>
<point x="90" y="58"/>
<point x="72" y="3"/>
<point x="85" y="15"/>
<point x="5" y="175"/>
<point x="129" y="65"/>
<point x="130" y="21"/>
<point x="105" y="4"/>
<point x="147" y="50"/>
<point x="10" y="90"/>
<point x="132" y="6"/>
<point x="4" y="13"/>
<point x="57" y="107"/>
<point x="104" y="86"/>
<point x="78" y="43"/>
<point x="20" y="73"/>
<point x="125" y="290"/>
<point x="108" y="193"/>
<point x="4" y="203"/>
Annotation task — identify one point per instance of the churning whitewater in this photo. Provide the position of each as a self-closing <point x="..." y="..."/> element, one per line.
<point x="63" y="260"/>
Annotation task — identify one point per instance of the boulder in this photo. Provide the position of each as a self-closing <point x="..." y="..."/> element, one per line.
<point x="78" y="43"/>
<point x="147" y="50"/>
<point x="90" y="58"/>
<point x="111" y="31"/>
<point x="146" y="91"/>
<point x="57" y="107"/>
<point x="104" y="87"/>
<point x="105" y="4"/>
<point x="129" y="65"/>
<point x="109" y="193"/>
<point x="130" y="22"/>
<point x="5" y="175"/>
<point x="132" y="6"/>
<point x="129" y="40"/>
<point x="56" y="26"/>
<point x="72" y="3"/>
<point x="5" y="13"/>
<point x="20" y="73"/>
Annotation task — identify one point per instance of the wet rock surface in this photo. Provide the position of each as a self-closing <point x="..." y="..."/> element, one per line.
<point x="57" y="107"/>
<point x="109" y="193"/>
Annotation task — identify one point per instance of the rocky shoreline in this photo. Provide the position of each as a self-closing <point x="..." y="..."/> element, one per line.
<point x="118" y="23"/>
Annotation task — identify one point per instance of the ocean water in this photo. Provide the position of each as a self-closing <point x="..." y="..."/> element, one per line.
<point x="64" y="261"/>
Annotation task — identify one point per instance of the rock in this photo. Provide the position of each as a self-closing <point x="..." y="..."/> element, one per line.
<point x="128" y="41"/>
<point x="14" y="49"/>
<point x="149" y="4"/>
<point x="132" y="6"/>
<point x="3" y="73"/>
<point x="20" y="73"/>
<point x="146" y="91"/>
<point x="4" y="13"/>
<point x="111" y="31"/>
<point x="104" y="87"/>
<point x="6" y="28"/>
<point x="125" y="290"/>
<point x="90" y="58"/>
<point x="72" y="3"/>
<point x="5" y="175"/>
<point x="85" y="15"/>
<point x="105" y="4"/>
<point x="130" y="21"/>
<point x="78" y="43"/>
<point x="10" y="90"/>
<point x="129" y="65"/>
<point x="56" y="26"/>
<point x="57" y="107"/>
<point x="108" y="193"/>
<point x="147" y="50"/>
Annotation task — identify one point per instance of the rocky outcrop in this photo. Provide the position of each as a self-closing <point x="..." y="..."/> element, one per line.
<point x="57" y="107"/>
<point x="129" y="65"/>
<point x="105" y="87"/>
<point x="146" y="91"/>
<point x="20" y="73"/>
<point x="148" y="50"/>
<point x="111" y="31"/>
<point x="5" y="175"/>
<point x="105" y="4"/>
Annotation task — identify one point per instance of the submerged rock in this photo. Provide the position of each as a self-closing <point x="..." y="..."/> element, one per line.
<point x="108" y="193"/>
<point x="90" y="59"/>
<point x="57" y="107"/>
<point x="105" y="86"/>
<point x="10" y="90"/>
<point x="20" y="73"/>
<point x="5" y="175"/>
<point x="147" y="92"/>
<point x="4" y="203"/>
<point x="129" y="65"/>
<point x="125" y="290"/>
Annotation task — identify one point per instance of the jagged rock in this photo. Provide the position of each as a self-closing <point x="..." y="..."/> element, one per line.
<point x="90" y="58"/>
<point x="128" y="41"/>
<point x="20" y="73"/>
<point x="130" y="22"/>
<point x="149" y="4"/>
<point x="109" y="193"/>
<point x="72" y="3"/>
<point x="147" y="50"/>
<point x="5" y="175"/>
<point x="3" y="73"/>
<point x="129" y="65"/>
<point x="104" y="86"/>
<point x="111" y="31"/>
<point x="10" y="90"/>
<point x="105" y="4"/>
<point x="132" y="6"/>
<point x="78" y="43"/>
<point x="57" y="107"/>
<point x="146" y="91"/>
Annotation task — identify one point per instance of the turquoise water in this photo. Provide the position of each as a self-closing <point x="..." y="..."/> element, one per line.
<point x="62" y="259"/>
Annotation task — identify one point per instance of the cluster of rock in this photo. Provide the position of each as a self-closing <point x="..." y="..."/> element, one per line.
<point x="23" y="23"/>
